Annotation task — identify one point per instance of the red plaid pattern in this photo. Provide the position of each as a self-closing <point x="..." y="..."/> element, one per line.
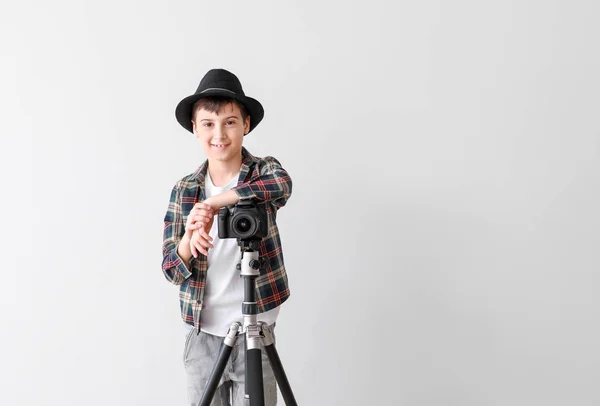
<point x="263" y="179"/>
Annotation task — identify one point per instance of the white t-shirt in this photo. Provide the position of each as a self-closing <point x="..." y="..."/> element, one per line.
<point x="224" y="290"/>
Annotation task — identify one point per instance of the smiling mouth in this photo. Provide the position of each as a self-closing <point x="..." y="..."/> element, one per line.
<point x="219" y="145"/>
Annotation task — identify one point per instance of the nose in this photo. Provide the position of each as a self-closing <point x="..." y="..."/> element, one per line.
<point x="219" y="131"/>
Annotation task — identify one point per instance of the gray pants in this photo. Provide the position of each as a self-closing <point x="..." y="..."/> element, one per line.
<point x="199" y="357"/>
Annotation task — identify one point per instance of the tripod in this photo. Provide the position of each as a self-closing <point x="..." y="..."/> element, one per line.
<point x="255" y="333"/>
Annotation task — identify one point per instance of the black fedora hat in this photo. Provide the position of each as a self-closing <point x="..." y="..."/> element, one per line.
<point x="219" y="82"/>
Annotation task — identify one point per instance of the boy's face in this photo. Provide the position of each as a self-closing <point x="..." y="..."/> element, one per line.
<point x="221" y="134"/>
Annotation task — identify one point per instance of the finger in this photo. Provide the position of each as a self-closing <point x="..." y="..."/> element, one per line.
<point x="202" y="249"/>
<point x="200" y="237"/>
<point x="197" y="239"/>
<point x="199" y="216"/>
<point x="195" y="226"/>
<point x="205" y="213"/>
<point x="206" y="243"/>
<point x="198" y="222"/>
<point x="198" y="247"/>
<point x="193" y="250"/>
<point x="200" y="208"/>
<point x="205" y="235"/>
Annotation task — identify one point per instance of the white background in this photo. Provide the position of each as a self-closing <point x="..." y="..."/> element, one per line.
<point x="441" y="240"/>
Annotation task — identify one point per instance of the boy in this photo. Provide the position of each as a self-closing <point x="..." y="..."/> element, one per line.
<point x="219" y="114"/>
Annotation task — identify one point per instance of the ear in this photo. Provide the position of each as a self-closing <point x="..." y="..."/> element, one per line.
<point x="194" y="128"/>
<point x="247" y="125"/>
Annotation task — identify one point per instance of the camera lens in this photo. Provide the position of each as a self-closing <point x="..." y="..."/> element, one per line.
<point x="244" y="227"/>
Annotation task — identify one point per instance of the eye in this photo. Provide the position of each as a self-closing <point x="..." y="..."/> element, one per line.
<point x="230" y="122"/>
<point x="207" y="124"/>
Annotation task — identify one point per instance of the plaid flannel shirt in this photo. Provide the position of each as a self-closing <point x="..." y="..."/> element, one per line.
<point x="263" y="179"/>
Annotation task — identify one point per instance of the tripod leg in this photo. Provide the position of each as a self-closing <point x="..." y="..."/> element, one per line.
<point x="217" y="372"/>
<point x="275" y="361"/>
<point x="254" y="372"/>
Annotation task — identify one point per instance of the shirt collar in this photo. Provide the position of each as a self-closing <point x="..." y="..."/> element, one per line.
<point x="247" y="160"/>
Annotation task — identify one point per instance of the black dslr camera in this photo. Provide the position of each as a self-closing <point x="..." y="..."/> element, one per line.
<point x="245" y="220"/>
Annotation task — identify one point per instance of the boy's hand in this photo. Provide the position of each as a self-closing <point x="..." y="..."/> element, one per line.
<point x="200" y="222"/>
<point x="201" y="241"/>
<point x="200" y="215"/>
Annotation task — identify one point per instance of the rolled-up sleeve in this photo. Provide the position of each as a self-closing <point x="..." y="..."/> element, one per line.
<point x="270" y="183"/>
<point x="173" y="266"/>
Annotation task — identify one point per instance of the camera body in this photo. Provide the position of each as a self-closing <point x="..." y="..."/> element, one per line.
<point x="245" y="220"/>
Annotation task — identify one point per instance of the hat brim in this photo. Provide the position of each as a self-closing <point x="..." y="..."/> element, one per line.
<point x="183" y="111"/>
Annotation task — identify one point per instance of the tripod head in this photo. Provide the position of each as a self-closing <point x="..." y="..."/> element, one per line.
<point x="249" y="245"/>
<point x="252" y="264"/>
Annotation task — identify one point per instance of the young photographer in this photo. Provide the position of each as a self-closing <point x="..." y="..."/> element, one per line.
<point x="211" y="290"/>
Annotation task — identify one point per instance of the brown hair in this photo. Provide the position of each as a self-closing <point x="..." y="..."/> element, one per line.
<point x="214" y="104"/>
